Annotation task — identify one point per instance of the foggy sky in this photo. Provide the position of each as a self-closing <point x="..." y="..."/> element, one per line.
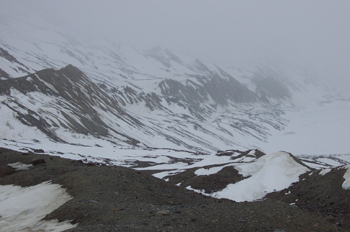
<point x="314" y="34"/>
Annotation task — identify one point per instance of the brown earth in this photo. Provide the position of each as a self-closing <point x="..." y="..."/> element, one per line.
<point x="107" y="198"/>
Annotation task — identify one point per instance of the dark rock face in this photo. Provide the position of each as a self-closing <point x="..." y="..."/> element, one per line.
<point x="192" y="93"/>
<point x="73" y="97"/>
<point x="269" y="85"/>
<point x="4" y="74"/>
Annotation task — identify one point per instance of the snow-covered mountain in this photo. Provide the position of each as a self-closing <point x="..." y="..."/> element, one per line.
<point x="108" y="102"/>
<point x="153" y="98"/>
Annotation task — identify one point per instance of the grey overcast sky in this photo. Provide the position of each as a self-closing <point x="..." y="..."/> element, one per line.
<point x="309" y="33"/>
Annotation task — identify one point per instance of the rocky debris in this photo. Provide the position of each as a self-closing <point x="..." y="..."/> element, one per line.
<point x="109" y="198"/>
<point x="321" y="195"/>
<point x="208" y="183"/>
<point x="6" y="170"/>
<point x="236" y="154"/>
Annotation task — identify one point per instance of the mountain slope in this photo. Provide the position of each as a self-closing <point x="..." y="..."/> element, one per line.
<point x="156" y="97"/>
<point x="124" y="97"/>
<point x="66" y="99"/>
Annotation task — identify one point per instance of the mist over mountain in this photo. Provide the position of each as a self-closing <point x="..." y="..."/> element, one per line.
<point x="156" y="97"/>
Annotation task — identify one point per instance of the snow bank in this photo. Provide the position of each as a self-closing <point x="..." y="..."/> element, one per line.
<point x="325" y="171"/>
<point x="18" y="166"/>
<point x="208" y="171"/>
<point x="22" y="208"/>
<point x="346" y="183"/>
<point x="267" y="174"/>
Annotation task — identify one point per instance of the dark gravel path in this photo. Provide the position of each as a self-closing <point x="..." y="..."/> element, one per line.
<point x="122" y="199"/>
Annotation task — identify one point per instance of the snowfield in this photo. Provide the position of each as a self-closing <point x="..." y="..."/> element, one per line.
<point x="22" y="208"/>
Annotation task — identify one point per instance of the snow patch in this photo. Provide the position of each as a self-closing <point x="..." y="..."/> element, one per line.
<point x="197" y="190"/>
<point x="346" y="183"/>
<point x="208" y="171"/>
<point x="267" y="174"/>
<point x="325" y="171"/>
<point x="18" y="166"/>
<point x="23" y="208"/>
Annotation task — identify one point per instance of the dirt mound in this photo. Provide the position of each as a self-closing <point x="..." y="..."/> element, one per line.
<point x="120" y="199"/>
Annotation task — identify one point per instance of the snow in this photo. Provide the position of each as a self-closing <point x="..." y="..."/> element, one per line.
<point x="208" y="171"/>
<point x="329" y="161"/>
<point x="18" y="166"/>
<point x="346" y="183"/>
<point x="315" y="129"/>
<point x="22" y="208"/>
<point x="197" y="190"/>
<point x="325" y="171"/>
<point x="267" y="174"/>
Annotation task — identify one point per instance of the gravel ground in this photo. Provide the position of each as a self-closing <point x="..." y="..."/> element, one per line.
<point x="120" y="199"/>
<point x="321" y="195"/>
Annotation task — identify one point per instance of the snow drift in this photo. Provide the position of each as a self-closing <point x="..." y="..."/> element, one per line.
<point x="23" y="208"/>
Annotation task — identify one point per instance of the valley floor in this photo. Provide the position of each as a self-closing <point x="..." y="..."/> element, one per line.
<point x="111" y="198"/>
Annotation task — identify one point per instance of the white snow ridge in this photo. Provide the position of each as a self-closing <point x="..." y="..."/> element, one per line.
<point x="22" y="208"/>
<point x="269" y="173"/>
<point x="346" y="183"/>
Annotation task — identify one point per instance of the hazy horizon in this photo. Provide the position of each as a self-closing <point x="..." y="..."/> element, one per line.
<point x="310" y="34"/>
